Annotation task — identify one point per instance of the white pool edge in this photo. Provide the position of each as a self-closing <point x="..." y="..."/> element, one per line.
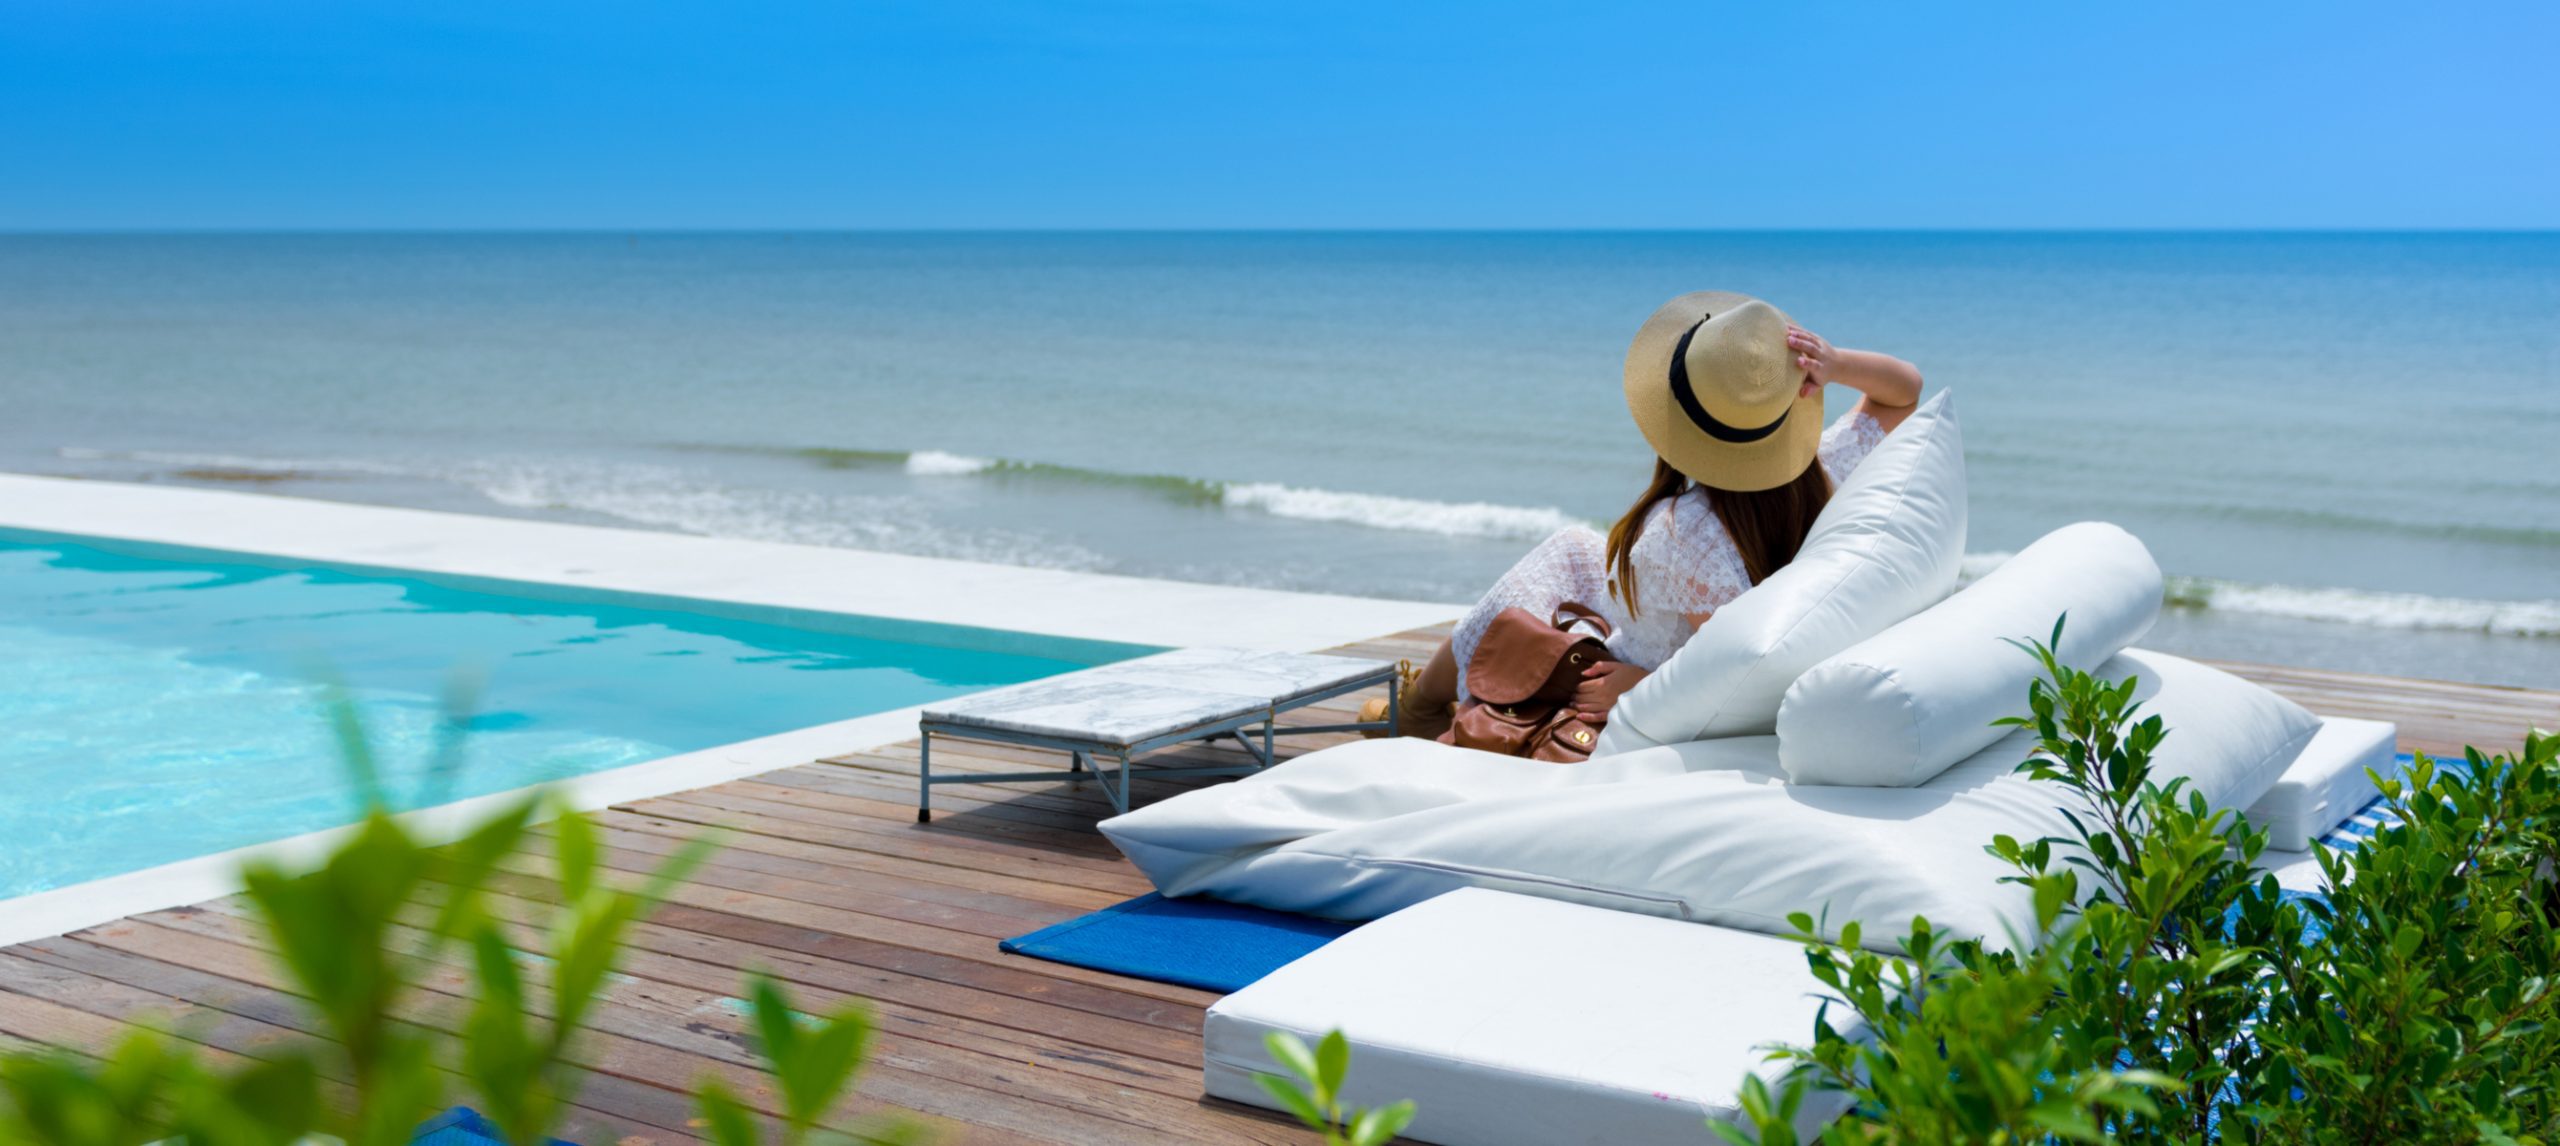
<point x="1079" y="606"/>
<point x="759" y="574"/>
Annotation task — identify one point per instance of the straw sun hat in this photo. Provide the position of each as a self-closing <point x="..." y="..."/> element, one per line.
<point x="1714" y="387"/>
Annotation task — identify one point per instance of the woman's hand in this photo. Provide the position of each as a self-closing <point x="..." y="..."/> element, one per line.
<point x="1889" y="383"/>
<point x="1814" y="356"/>
<point x="1890" y="386"/>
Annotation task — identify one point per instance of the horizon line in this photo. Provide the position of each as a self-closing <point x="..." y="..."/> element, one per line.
<point x="784" y="229"/>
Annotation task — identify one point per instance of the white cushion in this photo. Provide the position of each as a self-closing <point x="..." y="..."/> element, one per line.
<point x="1903" y="705"/>
<point x="1705" y="831"/>
<point x="2327" y="782"/>
<point x="2229" y="737"/>
<point x="1508" y="1019"/>
<point x="1888" y="545"/>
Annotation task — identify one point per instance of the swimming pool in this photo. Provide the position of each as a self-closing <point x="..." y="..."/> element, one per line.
<point x="158" y="705"/>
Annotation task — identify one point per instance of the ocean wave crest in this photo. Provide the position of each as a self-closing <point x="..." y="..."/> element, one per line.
<point x="935" y="463"/>
<point x="1366" y="510"/>
<point x="2373" y="607"/>
<point x="235" y="462"/>
<point x="1414" y="515"/>
<point x="2369" y="607"/>
<point x="689" y="502"/>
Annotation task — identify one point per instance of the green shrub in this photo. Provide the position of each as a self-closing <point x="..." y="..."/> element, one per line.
<point x="2165" y="994"/>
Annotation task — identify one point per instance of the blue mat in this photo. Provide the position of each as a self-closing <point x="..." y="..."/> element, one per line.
<point x="462" y="1126"/>
<point x="1194" y="942"/>
<point x="1224" y="946"/>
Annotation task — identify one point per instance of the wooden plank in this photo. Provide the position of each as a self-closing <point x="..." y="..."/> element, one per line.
<point x="1110" y="1020"/>
<point x="907" y="877"/>
<point x="856" y="936"/>
<point x="719" y="807"/>
<point x="1119" y="1047"/>
<point x="637" y="850"/>
<point x="1021" y="833"/>
<point x="2436" y="717"/>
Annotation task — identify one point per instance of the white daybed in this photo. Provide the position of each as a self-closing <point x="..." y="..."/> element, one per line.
<point x="1823" y="746"/>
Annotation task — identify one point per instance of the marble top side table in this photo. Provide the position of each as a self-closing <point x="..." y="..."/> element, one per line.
<point x="1121" y="712"/>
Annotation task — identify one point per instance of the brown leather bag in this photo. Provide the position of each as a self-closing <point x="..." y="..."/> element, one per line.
<point x="1539" y="688"/>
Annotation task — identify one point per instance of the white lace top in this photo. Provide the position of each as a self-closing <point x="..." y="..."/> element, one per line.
<point x="1684" y="567"/>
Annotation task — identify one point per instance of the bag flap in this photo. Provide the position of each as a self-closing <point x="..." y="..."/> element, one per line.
<point x="1516" y="657"/>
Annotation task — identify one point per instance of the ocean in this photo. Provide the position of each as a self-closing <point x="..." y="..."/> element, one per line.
<point x="2341" y="446"/>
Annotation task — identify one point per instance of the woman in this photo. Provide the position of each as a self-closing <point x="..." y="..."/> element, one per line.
<point x="1729" y="394"/>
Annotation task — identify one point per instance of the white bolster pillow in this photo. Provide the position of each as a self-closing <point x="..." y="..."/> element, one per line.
<point x="1886" y="546"/>
<point x="1900" y="707"/>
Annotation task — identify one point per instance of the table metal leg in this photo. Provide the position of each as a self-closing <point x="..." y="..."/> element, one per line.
<point x="1075" y="765"/>
<point x="1120" y="802"/>
<point x="924" y="778"/>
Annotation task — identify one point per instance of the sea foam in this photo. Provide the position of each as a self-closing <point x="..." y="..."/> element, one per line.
<point x="935" y="463"/>
<point x="1366" y="510"/>
<point x="1379" y="511"/>
<point x="688" y="501"/>
<point x="2369" y="607"/>
<point x="229" y="461"/>
<point x="2374" y="607"/>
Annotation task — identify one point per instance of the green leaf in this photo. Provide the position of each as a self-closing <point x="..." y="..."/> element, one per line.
<point x="464" y="867"/>
<point x="1293" y="1056"/>
<point x="1294" y="1100"/>
<point x="775" y="1024"/>
<point x="729" y="1121"/>
<point x="1378" y="1126"/>
<point x="829" y="1061"/>
<point x="587" y="952"/>
<point x="1333" y="1063"/>
<point x="579" y="856"/>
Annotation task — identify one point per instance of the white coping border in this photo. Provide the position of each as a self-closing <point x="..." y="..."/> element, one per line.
<point x="675" y="568"/>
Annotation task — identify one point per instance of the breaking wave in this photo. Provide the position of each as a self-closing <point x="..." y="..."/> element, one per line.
<point x="935" y="463"/>
<point x="1365" y="510"/>
<point x="688" y="502"/>
<point x="2373" y="607"/>
<point x="1377" y="511"/>
<point x="662" y="497"/>
<point x="2369" y="607"/>
<point x="231" y="463"/>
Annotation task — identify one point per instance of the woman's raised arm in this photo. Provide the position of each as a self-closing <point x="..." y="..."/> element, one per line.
<point x="1891" y="386"/>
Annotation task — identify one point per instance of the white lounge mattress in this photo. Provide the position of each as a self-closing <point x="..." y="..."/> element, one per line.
<point x="1706" y="831"/>
<point x="1518" y="1019"/>
<point x="2327" y="783"/>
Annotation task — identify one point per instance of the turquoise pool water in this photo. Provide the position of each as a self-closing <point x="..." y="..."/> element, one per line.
<point x="157" y="708"/>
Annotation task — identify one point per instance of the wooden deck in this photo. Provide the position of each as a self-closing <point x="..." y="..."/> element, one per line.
<point x="828" y="882"/>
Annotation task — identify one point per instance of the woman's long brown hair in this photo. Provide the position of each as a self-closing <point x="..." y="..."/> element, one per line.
<point x="1768" y="525"/>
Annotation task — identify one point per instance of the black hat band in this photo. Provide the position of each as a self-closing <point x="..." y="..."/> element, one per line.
<point x="1698" y="414"/>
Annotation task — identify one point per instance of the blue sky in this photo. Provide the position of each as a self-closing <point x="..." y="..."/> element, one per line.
<point x="1280" y="113"/>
